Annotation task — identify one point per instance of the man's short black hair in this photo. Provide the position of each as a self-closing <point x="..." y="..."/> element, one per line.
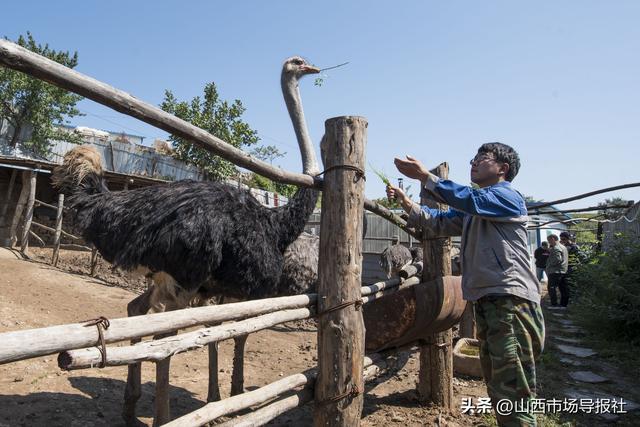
<point x="504" y="154"/>
<point x="565" y="235"/>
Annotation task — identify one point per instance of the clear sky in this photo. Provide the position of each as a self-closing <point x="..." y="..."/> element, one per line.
<point x="559" y="81"/>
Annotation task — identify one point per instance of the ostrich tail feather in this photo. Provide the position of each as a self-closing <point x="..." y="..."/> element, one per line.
<point x="78" y="164"/>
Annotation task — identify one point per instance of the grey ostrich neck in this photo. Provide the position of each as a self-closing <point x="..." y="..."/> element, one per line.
<point x="291" y="94"/>
<point x="294" y="215"/>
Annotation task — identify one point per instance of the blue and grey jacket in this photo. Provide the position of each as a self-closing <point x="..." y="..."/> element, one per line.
<point x="492" y="221"/>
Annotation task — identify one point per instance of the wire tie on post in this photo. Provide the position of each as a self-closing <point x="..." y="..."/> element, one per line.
<point x="359" y="172"/>
<point x="351" y="393"/>
<point x="356" y="303"/>
<point x="102" y="323"/>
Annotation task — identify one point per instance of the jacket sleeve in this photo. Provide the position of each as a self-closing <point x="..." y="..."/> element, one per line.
<point x="436" y="223"/>
<point x="491" y="202"/>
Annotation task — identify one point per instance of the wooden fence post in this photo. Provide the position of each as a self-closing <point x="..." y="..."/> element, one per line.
<point x="161" y="401"/>
<point x="340" y="386"/>
<point x="56" y="238"/>
<point x="7" y="199"/>
<point x="17" y="213"/>
<point x="28" y="217"/>
<point x="435" y="380"/>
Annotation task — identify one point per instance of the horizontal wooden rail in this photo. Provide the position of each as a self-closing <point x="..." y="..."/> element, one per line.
<point x="25" y="344"/>
<point x="64" y="233"/>
<point x="373" y="365"/>
<point x="214" y="410"/>
<point x="47" y="205"/>
<point x="29" y="343"/>
<point x="20" y="59"/>
<point x="157" y="350"/>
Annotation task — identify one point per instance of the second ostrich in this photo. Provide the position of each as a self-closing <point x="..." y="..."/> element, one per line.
<point x="393" y="258"/>
<point x="194" y="239"/>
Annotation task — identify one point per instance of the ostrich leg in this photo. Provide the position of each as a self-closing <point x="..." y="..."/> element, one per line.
<point x="133" y="390"/>
<point x="237" y="377"/>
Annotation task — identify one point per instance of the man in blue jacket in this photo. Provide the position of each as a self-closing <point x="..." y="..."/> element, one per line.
<point x="496" y="270"/>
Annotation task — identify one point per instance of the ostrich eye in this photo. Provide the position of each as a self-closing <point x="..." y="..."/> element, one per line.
<point x="298" y="61"/>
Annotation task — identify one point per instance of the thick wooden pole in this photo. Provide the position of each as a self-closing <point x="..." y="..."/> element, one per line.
<point x="20" y="205"/>
<point x="7" y="199"/>
<point x="58" y="233"/>
<point x="435" y="380"/>
<point x="339" y="389"/>
<point x="28" y="217"/>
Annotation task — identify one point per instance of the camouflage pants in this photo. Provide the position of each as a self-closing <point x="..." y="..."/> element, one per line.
<point x="511" y="335"/>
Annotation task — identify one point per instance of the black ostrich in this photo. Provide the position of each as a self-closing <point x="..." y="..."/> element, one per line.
<point x="194" y="239"/>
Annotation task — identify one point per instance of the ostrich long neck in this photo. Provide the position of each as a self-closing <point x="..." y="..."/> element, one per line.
<point x="294" y="215"/>
<point x="294" y="105"/>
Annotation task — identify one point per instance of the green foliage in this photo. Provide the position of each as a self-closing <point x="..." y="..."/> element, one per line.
<point x="585" y="231"/>
<point x="608" y="292"/>
<point x="259" y="181"/>
<point x="393" y="204"/>
<point x="389" y="204"/>
<point x="28" y="102"/>
<point x="613" y="213"/>
<point x="531" y="200"/>
<point x="381" y="175"/>
<point x="267" y="153"/>
<point x="220" y="118"/>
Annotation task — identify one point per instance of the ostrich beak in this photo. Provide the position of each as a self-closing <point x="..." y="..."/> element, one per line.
<point x="309" y="69"/>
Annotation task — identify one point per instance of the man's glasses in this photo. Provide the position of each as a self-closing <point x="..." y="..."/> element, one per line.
<point x="480" y="158"/>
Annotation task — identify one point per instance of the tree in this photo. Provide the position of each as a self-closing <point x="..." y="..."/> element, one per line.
<point x="267" y="153"/>
<point x="613" y="213"/>
<point x="29" y="103"/>
<point x="530" y="200"/>
<point x="389" y="204"/>
<point x="220" y="118"/>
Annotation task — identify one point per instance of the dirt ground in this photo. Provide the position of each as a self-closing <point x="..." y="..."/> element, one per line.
<point x="36" y="392"/>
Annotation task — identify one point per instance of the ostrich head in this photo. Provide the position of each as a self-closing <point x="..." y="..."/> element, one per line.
<point x="293" y="69"/>
<point x="298" y="67"/>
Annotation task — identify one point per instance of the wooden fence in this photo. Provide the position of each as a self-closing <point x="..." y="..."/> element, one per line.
<point x="57" y="230"/>
<point x="76" y="344"/>
<point x="339" y="383"/>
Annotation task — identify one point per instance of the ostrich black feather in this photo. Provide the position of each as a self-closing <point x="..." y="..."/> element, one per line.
<point x="209" y="236"/>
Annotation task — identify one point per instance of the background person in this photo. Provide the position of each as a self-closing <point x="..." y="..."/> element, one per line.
<point x="541" y="254"/>
<point x="557" y="265"/>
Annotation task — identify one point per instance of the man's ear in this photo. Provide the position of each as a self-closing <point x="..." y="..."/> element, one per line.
<point x="504" y="169"/>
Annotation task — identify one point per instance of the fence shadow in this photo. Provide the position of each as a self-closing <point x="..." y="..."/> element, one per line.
<point x="99" y="404"/>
